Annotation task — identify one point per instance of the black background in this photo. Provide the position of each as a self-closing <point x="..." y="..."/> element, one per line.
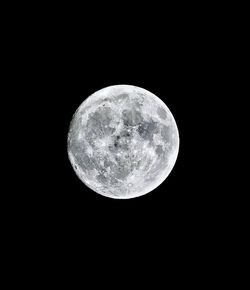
<point x="56" y="57"/>
<point x="63" y="61"/>
<point x="176" y="68"/>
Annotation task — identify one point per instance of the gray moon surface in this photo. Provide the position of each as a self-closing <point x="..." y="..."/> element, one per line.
<point x="123" y="141"/>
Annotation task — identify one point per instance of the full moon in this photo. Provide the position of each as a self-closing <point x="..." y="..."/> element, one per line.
<point x="123" y="141"/>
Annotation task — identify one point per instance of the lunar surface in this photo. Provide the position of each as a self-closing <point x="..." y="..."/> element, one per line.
<point x="123" y="141"/>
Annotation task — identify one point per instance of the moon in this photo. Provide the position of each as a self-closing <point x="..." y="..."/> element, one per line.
<point x="123" y="141"/>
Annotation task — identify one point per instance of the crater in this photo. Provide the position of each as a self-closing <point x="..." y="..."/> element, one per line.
<point x="159" y="150"/>
<point x="121" y="172"/>
<point x="147" y="129"/>
<point x="131" y="117"/>
<point x="125" y="133"/>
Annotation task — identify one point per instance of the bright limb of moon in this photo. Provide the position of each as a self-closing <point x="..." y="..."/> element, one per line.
<point x="123" y="141"/>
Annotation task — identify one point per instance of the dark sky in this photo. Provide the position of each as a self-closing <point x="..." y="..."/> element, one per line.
<point x="170" y="66"/>
<point x="174" y="60"/>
